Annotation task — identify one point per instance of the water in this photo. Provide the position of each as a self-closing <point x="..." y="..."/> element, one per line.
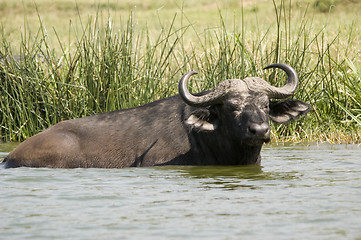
<point x="300" y="192"/>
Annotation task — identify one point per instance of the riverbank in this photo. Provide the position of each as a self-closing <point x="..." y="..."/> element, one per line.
<point x="82" y="58"/>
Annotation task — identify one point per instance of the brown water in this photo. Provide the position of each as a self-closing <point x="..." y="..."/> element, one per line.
<point x="300" y="192"/>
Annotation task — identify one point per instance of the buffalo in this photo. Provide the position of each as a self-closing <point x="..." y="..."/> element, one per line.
<point x="224" y="126"/>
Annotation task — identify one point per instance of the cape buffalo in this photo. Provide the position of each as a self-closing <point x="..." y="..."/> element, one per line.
<point x="225" y="126"/>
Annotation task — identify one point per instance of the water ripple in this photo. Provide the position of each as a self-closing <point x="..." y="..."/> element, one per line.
<point x="301" y="192"/>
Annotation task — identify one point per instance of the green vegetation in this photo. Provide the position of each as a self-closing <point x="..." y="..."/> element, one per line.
<point x="81" y="58"/>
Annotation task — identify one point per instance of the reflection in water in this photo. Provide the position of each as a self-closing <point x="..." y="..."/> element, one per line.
<point x="236" y="172"/>
<point x="230" y="177"/>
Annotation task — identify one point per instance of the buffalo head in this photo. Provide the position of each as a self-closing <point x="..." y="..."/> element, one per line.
<point x="240" y="109"/>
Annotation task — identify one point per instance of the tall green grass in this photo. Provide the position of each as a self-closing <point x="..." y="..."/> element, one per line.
<point x="106" y="69"/>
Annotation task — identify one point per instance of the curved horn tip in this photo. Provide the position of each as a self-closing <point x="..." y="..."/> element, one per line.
<point x="191" y="73"/>
<point x="213" y="97"/>
<point x="279" y="65"/>
<point x="292" y="81"/>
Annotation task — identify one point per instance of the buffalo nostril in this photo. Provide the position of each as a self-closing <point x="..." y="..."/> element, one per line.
<point x="259" y="129"/>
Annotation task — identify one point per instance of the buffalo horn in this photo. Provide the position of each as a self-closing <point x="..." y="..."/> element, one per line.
<point x="213" y="97"/>
<point x="291" y="85"/>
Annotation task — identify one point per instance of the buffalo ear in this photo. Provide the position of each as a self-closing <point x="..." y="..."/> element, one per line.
<point x="202" y="120"/>
<point x="285" y="111"/>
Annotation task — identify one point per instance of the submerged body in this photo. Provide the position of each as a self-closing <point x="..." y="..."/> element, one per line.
<point x="214" y="128"/>
<point x="144" y="136"/>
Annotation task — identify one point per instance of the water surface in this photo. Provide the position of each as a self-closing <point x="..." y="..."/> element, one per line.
<point x="300" y="192"/>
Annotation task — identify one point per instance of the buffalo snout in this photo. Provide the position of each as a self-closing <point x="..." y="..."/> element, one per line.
<point x="259" y="131"/>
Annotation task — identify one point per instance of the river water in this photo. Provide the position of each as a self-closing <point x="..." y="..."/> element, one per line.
<point x="300" y="192"/>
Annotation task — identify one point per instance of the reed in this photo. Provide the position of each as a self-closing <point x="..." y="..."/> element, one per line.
<point x="106" y="69"/>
